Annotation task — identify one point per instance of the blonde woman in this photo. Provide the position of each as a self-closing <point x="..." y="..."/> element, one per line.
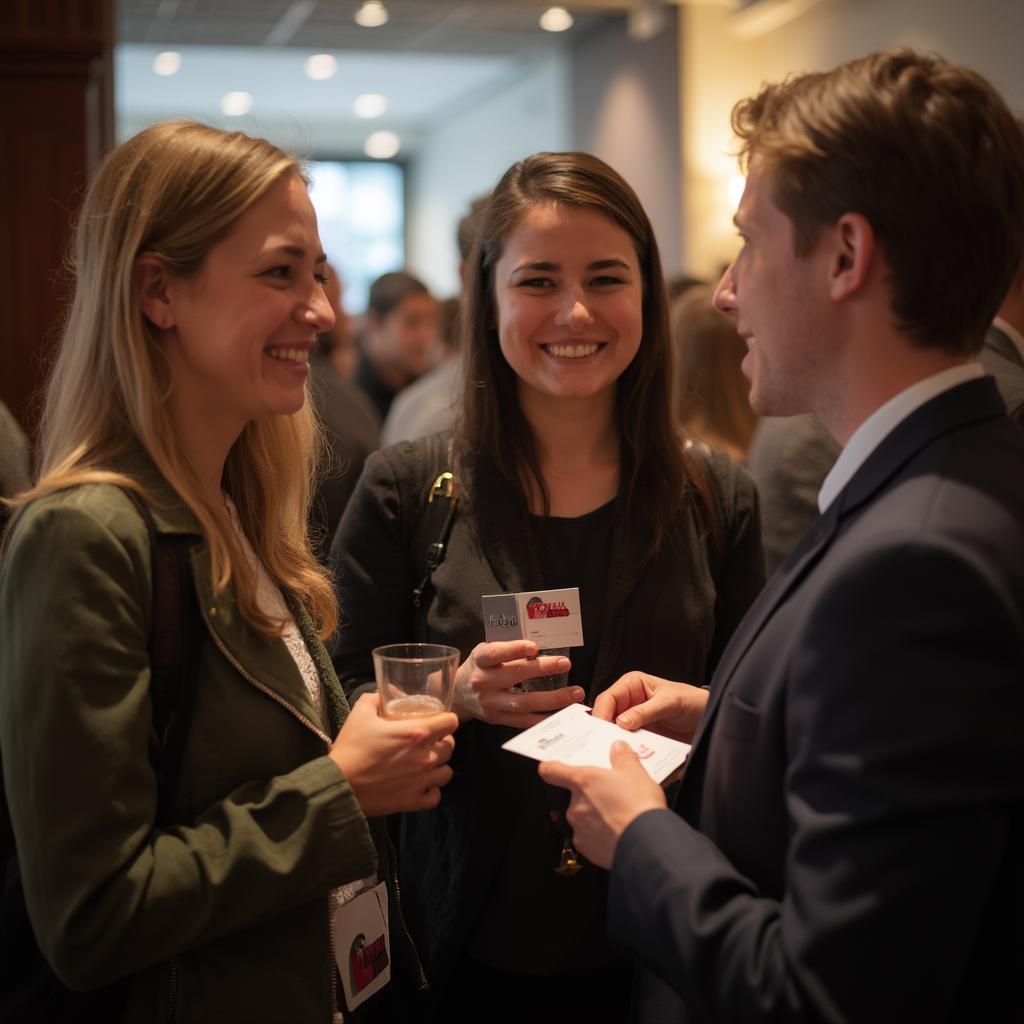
<point x="180" y="383"/>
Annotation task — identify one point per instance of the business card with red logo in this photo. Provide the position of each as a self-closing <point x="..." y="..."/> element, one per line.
<point x="573" y="736"/>
<point x="551" y="618"/>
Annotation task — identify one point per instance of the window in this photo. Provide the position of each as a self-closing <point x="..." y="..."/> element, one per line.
<point x="360" y="210"/>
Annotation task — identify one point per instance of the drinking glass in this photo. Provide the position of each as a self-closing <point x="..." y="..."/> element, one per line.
<point x="415" y="680"/>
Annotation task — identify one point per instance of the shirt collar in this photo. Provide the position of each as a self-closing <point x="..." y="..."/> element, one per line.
<point x="1012" y="333"/>
<point x="877" y="427"/>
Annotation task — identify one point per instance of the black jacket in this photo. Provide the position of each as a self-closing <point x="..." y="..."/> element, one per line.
<point x="848" y="839"/>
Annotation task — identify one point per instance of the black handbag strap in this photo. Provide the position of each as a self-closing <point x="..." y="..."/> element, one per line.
<point x="175" y="648"/>
<point x="435" y="526"/>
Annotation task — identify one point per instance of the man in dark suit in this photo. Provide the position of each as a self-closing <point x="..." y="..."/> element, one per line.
<point x="847" y="841"/>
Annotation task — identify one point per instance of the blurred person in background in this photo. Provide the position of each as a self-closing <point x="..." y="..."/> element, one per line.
<point x="400" y="337"/>
<point x="340" y="341"/>
<point x="350" y="420"/>
<point x="710" y="395"/>
<point x="431" y="404"/>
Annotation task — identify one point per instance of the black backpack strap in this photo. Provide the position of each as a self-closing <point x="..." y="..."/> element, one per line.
<point x="175" y="647"/>
<point x="430" y="540"/>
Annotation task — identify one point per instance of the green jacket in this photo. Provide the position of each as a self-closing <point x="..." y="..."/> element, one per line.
<point x="223" y="917"/>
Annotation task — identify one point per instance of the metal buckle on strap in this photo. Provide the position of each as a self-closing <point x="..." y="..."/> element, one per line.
<point x="443" y="487"/>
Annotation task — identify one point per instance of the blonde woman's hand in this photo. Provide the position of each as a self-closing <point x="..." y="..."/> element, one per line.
<point x="637" y="700"/>
<point x="394" y="764"/>
<point x="484" y="680"/>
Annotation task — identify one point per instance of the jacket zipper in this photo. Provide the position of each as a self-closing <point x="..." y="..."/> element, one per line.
<point x="172" y="987"/>
<point x="335" y="1008"/>
<point x="263" y="688"/>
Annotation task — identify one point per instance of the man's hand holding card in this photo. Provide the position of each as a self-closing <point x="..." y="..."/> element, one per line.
<point x="613" y="775"/>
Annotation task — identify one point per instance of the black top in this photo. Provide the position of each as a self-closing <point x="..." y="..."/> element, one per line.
<point x="525" y="889"/>
<point x="574" y="553"/>
<point x="670" y="614"/>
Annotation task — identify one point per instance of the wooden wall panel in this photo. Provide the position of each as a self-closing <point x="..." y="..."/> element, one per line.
<point x="56" y="121"/>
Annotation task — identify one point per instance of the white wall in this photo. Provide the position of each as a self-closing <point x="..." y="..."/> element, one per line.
<point x="626" y="111"/>
<point x="465" y="154"/>
<point x="718" y="68"/>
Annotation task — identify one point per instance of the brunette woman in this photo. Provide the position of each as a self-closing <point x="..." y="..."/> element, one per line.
<point x="569" y="472"/>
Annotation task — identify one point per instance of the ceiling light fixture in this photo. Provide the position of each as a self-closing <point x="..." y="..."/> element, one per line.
<point x="382" y="145"/>
<point x="236" y="104"/>
<point x="556" y="19"/>
<point x="321" y="66"/>
<point x="370" y="104"/>
<point x="372" y="14"/>
<point x="167" y="63"/>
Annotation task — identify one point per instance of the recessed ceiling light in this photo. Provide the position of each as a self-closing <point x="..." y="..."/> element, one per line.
<point x="372" y="14"/>
<point x="235" y="104"/>
<point x="321" y="66"/>
<point x="370" y="104"/>
<point x="382" y="145"/>
<point x="556" y="19"/>
<point x="167" y="63"/>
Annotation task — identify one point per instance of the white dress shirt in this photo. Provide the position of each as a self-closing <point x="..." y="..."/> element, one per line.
<point x="1012" y="333"/>
<point x="877" y="427"/>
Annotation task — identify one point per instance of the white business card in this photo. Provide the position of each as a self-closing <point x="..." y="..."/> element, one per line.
<point x="573" y="736"/>
<point x="551" y="618"/>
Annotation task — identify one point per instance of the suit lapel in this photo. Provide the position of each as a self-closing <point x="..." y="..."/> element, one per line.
<point x="784" y="579"/>
<point x="967" y="403"/>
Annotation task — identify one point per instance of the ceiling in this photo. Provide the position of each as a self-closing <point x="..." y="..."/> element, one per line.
<point x="484" y="27"/>
<point x="432" y="57"/>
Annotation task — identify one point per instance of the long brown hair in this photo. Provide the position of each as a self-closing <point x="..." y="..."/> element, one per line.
<point x="176" y="189"/>
<point x="655" y="472"/>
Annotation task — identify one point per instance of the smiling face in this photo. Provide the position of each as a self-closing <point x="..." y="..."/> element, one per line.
<point x="778" y="300"/>
<point x="239" y="333"/>
<point x="569" y="299"/>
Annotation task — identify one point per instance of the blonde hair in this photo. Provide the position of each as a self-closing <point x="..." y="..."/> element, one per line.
<point x="175" y="190"/>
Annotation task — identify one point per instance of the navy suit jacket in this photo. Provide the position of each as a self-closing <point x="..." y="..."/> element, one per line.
<point x="848" y="837"/>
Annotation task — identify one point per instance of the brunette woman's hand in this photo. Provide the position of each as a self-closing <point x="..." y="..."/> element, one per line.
<point x="394" y="764"/>
<point x="484" y="680"/>
<point x="637" y="700"/>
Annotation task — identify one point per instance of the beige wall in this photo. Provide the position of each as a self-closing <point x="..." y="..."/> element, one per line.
<point x="718" y="67"/>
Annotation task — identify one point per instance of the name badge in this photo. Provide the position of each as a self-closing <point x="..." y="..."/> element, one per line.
<point x="362" y="945"/>
<point x="551" y="618"/>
